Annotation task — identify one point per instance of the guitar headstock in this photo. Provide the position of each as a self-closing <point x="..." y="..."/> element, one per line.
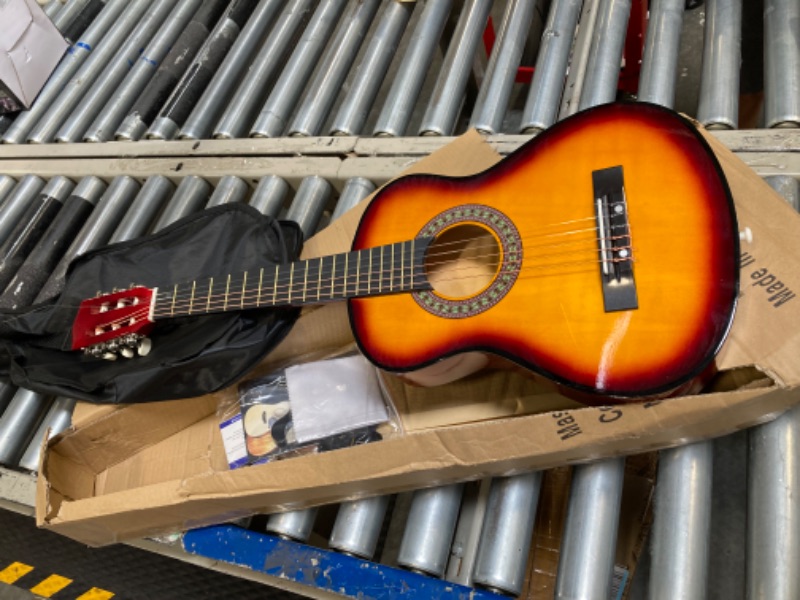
<point x="115" y="323"/>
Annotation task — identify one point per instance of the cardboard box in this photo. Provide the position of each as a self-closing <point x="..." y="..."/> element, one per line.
<point x="128" y="472"/>
<point x="30" y="48"/>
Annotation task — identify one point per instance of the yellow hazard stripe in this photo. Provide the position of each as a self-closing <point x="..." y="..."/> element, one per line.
<point x="14" y="571"/>
<point x="95" y="594"/>
<point x="51" y="585"/>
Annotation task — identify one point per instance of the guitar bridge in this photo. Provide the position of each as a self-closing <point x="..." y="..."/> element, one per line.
<point x="614" y="240"/>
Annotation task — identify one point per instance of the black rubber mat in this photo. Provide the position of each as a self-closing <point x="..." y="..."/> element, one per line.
<point x="129" y="573"/>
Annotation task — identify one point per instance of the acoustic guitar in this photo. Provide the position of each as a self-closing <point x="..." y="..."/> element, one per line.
<point x="601" y="254"/>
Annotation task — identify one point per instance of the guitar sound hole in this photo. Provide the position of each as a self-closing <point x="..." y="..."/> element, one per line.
<point x="463" y="261"/>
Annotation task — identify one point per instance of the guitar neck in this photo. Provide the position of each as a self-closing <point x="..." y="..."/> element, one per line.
<point x="391" y="269"/>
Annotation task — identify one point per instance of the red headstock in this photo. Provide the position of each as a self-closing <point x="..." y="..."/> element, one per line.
<point x="112" y="321"/>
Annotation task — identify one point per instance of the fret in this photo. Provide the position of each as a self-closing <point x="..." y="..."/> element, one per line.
<point x="411" y="266"/>
<point x="391" y="271"/>
<point x="244" y="287"/>
<point x="291" y="283"/>
<point x="319" y="279"/>
<point x="358" y="274"/>
<point x="333" y="273"/>
<point x="208" y="300"/>
<point x="387" y="269"/>
<point x="174" y="297"/>
<point x="260" y="281"/>
<point x="344" y="275"/>
<point x="275" y="287"/>
<point x="312" y="279"/>
<point x="380" y="278"/>
<point x="227" y="290"/>
<point x="191" y="300"/>
<point x="305" y="282"/>
<point x="402" y="266"/>
<point x="369" y="274"/>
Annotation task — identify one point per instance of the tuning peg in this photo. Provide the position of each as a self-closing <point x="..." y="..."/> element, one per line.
<point x="109" y="356"/>
<point x="144" y="346"/>
<point x="127" y="352"/>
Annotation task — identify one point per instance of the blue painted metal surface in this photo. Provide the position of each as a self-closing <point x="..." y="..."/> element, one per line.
<point x="322" y="569"/>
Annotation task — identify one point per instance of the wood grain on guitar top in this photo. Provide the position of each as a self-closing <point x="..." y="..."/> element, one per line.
<point x="683" y="251"/>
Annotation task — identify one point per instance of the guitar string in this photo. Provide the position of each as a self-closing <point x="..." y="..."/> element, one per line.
<point x="287" y="287"/>
<point x="184" y="297"/>
<point x="439" y="246"/>
<point x="283" y="286"/>
<point x="438" y="252"/>
<point x="250" y="296"/>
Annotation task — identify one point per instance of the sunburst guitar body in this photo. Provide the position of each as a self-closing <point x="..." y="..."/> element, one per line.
<point x="601" y="254"/>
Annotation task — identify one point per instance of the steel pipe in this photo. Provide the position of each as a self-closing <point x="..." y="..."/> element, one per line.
<point x="57" y="419"/>
<point x="32" y="274"/>
<point x="507" y="533"/>
<point x="197" y="77"/>
<point x="788" y="187"/>
<point x="270" y="195"/>
<point x="295" y="525"/>
<point x="309" y="203"/>
<point x="71" y="64"/>
<point x="781" y="63"/>
<point x="252" y="91"/>
<point x="69" y="96"/>
<point x="229" y="189"/>
<point x="773" y="502"/>
<point x="358" y="526"/>
<point x="113" y="112"/>
<point x="659" y="70"/>
<point x="402" y="97"/>
<point x="192" y="195"/>
<point x="335" y="65"/>
<point x="113" y="76"/>
<point x="549" y="76"/>
<point x="17" y="201"/>
<point x="573" y="89"/>
<point x="274" y="115"/>
<point x="773" y="509"/>
<point x="682" y="522"/>
<point x="209" y="107"/>
<point x="31" y="227"/>
<point x="7" y="184"/>
<point x="356" y="106"/>
<point x="586" y="561"/>
<point x="147" y="204"/>
<point x="76" y="24"/>
<point x="448" y="94"/>
<point x="64" y="18"/>
<point x="97" y="230"/>
<point x="355" y="190"/>
<point x="718" y="107"/>
<point x="429" y="529"/>
<point x="7" y="391"/>
<point x="501" y="72"/>
<point x="19" y="422"/>
<point x="605" y="55"/>
<point x="52" y="8"/>
<point x="170" y="71"/>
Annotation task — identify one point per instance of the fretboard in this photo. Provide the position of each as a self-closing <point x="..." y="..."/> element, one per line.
<point x="390" y="269"/>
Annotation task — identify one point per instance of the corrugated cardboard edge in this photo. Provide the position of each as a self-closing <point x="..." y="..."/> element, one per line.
<point x="442" y="456"/>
